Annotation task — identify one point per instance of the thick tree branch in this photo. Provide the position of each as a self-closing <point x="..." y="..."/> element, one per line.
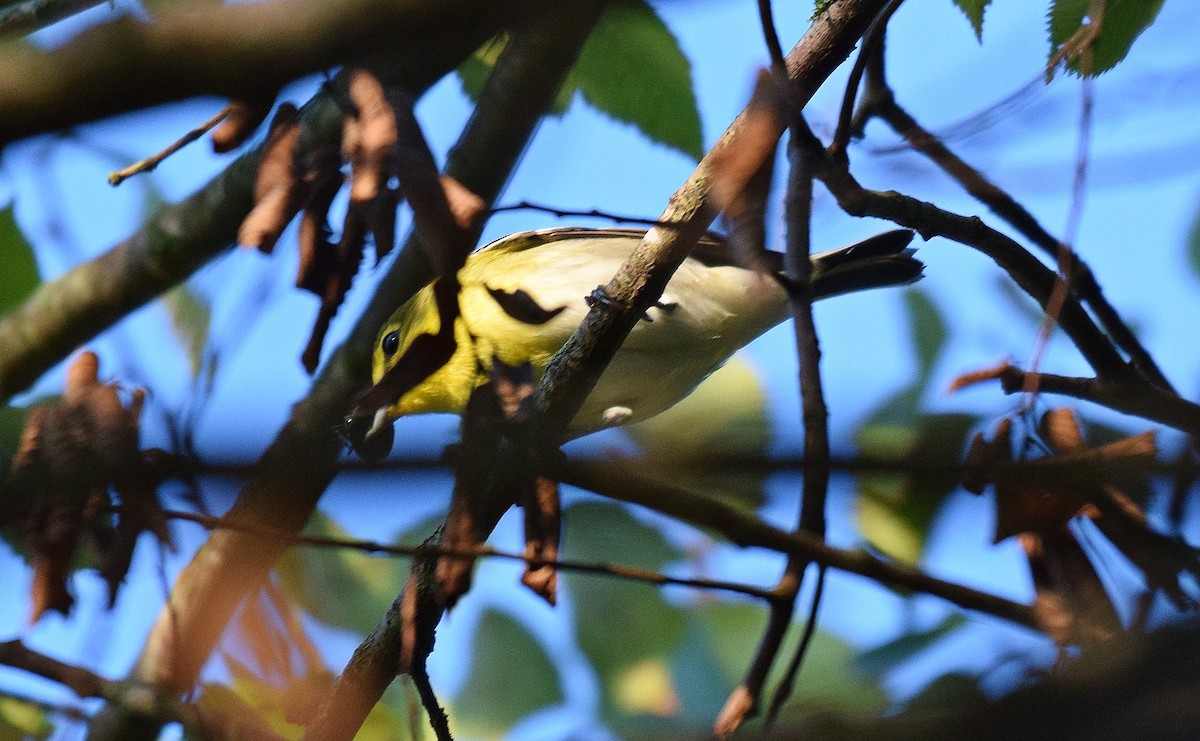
<point x="282" y="493"/>
<point x="237" y="51"/>
<point x="294" y="471"/>
<point x="30" y="15"/>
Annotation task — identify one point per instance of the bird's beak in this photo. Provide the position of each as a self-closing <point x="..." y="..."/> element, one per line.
<point x="370" y="437"/>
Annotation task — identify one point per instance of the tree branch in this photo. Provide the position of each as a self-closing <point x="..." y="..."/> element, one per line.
<point x="26" y="17"/>
<point x="236" y="51"/>
<point x="576" y="368"/>
<point x="614" y="480"/>
<point x="1029" y="273"/>
<point x="879" y="100"/>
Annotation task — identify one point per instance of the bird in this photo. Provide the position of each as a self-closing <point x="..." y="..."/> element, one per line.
<point x="711" y="307"/>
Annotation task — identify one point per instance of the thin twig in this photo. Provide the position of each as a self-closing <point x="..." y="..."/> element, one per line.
<point x="767" y="18"/>
<point x="873" y="42"/>
<point x="589" y="213"/>
<point x="784" y="690"/>
<point x="628" y="573"/>
<point x="1065" y="254"/>
<point x="154" y="160"/>
<point x="879" y="100"/>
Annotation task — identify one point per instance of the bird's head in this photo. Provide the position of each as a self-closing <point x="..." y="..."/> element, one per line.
<point x="417" y="367"/>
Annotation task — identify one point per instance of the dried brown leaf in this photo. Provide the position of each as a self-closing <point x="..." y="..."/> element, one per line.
<point x="1072" y="605"/>
<point x="983" y="454"/>
<point x="277" y="187"/>
<point x="370" y="142"/>
<point x="242" y="120"/>
<point x="467" y="208"/>
<point x="543" y="525"/>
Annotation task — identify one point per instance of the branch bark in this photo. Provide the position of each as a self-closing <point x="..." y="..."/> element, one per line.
<point x="219" y="50"/>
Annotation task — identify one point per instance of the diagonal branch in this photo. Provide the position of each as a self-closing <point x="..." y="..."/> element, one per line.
<point x="576" y="368"/>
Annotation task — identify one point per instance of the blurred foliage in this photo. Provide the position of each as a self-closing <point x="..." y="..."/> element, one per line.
<point x="631" y="69"/>
<point x="341" y="587"/>
<point x="511" y="676"/>
<point x="19" y="277"/>
<point x="896" y="510"/>
<point x="726" y="416"/>
<point x="23" y="721"/>
<point x="190" y="315"/>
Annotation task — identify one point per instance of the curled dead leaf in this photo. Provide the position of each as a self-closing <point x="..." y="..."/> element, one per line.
<point x="277" y="186"/>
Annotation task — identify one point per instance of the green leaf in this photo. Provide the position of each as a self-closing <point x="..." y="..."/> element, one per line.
<point x="954" y="690"/>
<point x="473" y="73"/>
<point x="927" y="329"/>
<point x="887" y="656"/>
<point x="339" y="586"/>
<point x="828" y="681"/>
<point x="632" y="69"/>
<point x="511" y="676"/>
<point x="896" y="510"/>
<point x="1193" y="243"/>
<point x="725" y="417"/>
<point x="1123" y="22"/>
<point x="19" y="277"/>
<point x="190" y="317"/>
<point x="21" y="720"/>
<point x="973" y="10"/>
<point x="623" y="628"/>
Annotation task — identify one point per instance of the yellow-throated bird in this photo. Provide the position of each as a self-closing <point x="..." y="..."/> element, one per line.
<point x="710" y="308"/>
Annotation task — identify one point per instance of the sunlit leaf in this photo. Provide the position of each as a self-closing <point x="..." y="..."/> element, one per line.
<point x="19" y="275"/>
<point x="726" y="416"/>
<point x="647" y="687"/>
<point x="1123" y="22"/>
<point x="632" y="69"/>
<point x="511" y="676"/>
<point x="23" y="721"/>
<point x="190" y="317"/>
<point x="887" y="656"/>
<point x="340" y="586"/>
<point x="896" y="510"/>
<point x="928" y="330"/>
<point x="973" y="10"/>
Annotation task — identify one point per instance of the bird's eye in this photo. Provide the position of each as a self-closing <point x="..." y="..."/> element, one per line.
<point x="390" y="344"/>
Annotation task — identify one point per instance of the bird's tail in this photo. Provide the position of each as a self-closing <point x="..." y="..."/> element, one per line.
<point x="876" y="262"/>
